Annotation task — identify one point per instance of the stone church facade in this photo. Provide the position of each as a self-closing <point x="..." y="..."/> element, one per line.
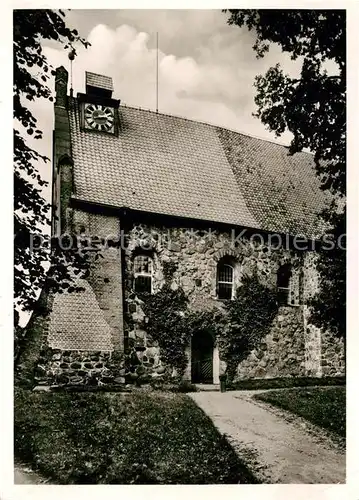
<point x="152" y="189"/>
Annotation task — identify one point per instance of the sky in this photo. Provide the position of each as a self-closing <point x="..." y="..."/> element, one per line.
<point x="206" y="67"/>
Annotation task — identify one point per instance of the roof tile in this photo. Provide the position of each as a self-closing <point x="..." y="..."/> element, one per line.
<point x="100" y="81"/>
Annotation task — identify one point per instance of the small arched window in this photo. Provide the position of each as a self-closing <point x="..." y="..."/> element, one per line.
<point x="142" y="270"/>
<point x="284" y="274"/>
<point x="225" y="275"/>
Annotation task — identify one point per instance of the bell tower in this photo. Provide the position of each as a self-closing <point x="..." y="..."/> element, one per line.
<point x="99" y="111"/>
<point x="99" y="85"/>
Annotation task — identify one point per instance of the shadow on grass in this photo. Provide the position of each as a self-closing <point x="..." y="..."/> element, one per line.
<point x="109" y="438"/>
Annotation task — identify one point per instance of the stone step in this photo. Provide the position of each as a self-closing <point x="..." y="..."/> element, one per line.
<point x="207" y="387"/>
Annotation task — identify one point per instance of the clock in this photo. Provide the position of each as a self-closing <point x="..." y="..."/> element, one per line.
<point x="100" y="118"/>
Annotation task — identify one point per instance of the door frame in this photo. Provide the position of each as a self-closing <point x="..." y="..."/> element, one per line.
<point x="215" y="366"/>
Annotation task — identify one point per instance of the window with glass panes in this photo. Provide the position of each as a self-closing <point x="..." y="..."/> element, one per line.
<point x="283" y="284"/>
<point x="142" y="270"/>
<point x="224" y="281"/>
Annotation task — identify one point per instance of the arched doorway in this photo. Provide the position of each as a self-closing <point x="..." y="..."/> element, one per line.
<point x="202" y="358"/>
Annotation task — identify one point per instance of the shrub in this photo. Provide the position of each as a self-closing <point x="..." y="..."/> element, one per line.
<point x="185" y="386"/>
<point x="166" y="323"/>
<point x="166" y="320"/>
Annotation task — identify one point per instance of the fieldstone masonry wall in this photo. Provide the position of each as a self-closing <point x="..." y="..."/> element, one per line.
<point x="196" y="255"/>
<point x="292" y="348"/>
<point x="324" y="353"/>
<point x="281" y="352"/>
<point x="312" y="334"/>
<point x="58" y="367"/>
<point x="86" y="327"/>
<point x="313" y="346"/>
<point x="332" y="355"/>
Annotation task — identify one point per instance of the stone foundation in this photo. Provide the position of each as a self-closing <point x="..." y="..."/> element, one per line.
<point x="57" y="367"/>
<point x="74" y="368"/>
<point x="139" y="364"/>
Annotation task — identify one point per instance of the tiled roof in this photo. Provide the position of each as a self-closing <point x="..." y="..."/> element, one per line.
<point x="158" y="164"/>
<point x="281" y="191"/>
<point x="169" y="165"/>
<point x="101" y="81"/>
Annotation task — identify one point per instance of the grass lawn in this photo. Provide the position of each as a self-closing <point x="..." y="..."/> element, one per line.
<point x="283" y="382"/>
<point x="323" y="406"/>
<point x="119" y="438"/>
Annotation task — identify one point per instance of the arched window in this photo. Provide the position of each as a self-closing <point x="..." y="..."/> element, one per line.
<point x="284" y="274"/>
<point x="225" y="273"/>
<point x="142" y="270"/>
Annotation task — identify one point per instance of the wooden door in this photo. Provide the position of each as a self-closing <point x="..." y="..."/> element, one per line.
<point x="202" y="358"/>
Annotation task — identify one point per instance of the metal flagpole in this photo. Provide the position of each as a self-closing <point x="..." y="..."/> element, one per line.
<point x="157" y="72"/>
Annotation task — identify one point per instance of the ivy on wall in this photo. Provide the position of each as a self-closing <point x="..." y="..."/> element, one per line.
<point x="239" y="328"/>
<point x="166" y="320"/>
<point x="248" y="320"/>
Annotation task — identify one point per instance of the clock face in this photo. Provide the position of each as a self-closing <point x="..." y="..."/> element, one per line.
<point x="99" y="117"/>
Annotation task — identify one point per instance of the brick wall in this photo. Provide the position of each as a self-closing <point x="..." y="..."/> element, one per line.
<point x="78" y="323"/>
<point x="92" y="319"/>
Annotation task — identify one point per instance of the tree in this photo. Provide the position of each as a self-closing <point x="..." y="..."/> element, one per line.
<point x="328" y="306"/>
<point x="31" y="211"/>
<point x="313" y="108"/>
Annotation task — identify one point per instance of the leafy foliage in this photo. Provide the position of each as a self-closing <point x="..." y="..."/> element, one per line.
<point x="32" y="72"/>
<point x="313" y="108"/>
<point x="172" y="324"/>
<point x="328" y="307"/>
<point x="238" y="329"/>
<point x="212" y="321"/>
<point x="249" y="318"/>
<point x="138" y="438"/>
<point x="166" y="321"/>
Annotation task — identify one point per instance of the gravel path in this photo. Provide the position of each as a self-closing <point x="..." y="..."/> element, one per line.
<point x="276" y="448"/>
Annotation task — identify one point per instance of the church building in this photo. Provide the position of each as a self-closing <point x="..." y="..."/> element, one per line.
<point x="209" y="200"/>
